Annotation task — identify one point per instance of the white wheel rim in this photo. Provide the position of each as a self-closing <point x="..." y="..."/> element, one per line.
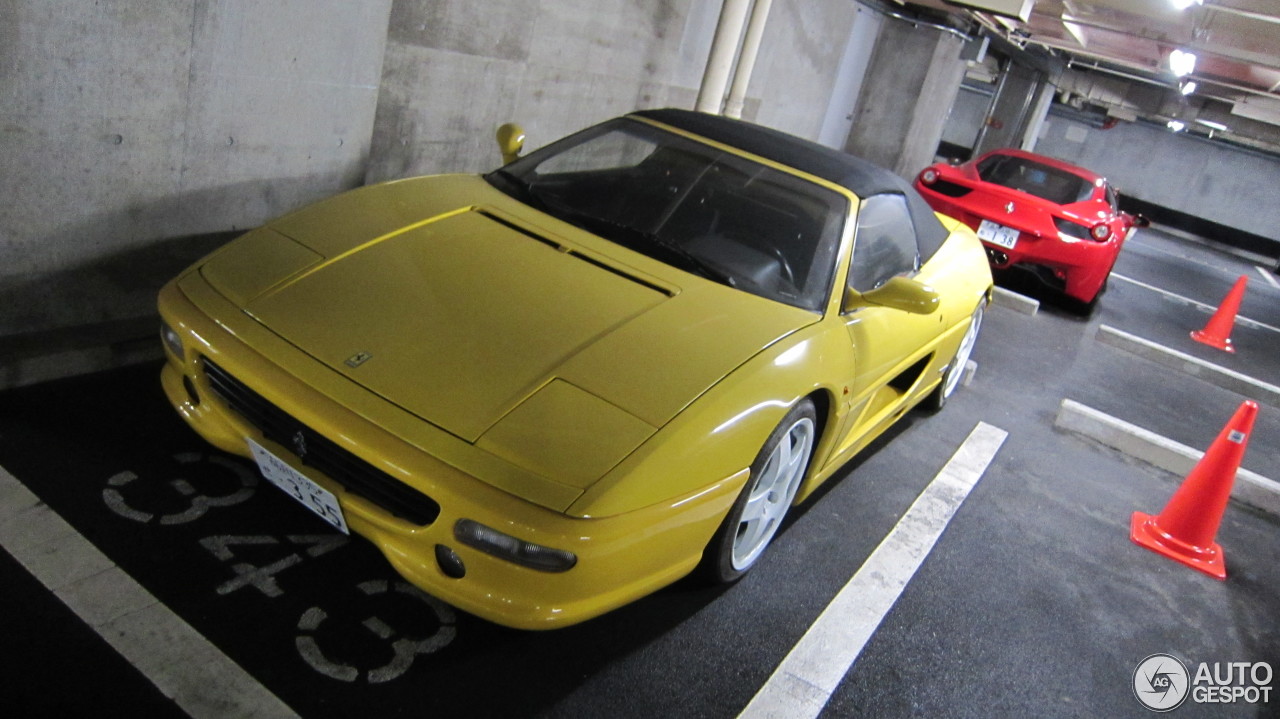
<point x="956" y="370"/>
<point x="771" y="493"/>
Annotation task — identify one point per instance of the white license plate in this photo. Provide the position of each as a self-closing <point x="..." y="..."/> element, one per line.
<point x="311" y="495"/>
<point x="998" y="234"/>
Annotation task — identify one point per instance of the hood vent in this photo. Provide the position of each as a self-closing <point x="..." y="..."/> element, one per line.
<point x="579" y="255"/>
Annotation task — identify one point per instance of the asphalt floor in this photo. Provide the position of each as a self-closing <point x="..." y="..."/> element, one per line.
<point x="1034" y="602"/>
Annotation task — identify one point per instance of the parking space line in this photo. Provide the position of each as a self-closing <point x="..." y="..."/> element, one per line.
<point x="1223" y="377"/>
<point x="1002" y="297"/>
<point x="1187" y="300"/>
<point x="1266" y="275"/>
<point x="1142" y="444"/>
<point x="186" y="668"/>
<point x="805" y="680"/>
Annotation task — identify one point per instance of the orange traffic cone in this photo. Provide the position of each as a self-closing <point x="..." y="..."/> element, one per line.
<point x="1217" y="331"/>
<point x="1185" y="530"/>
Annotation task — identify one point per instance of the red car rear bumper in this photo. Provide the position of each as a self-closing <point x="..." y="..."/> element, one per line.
<point x="1076" y="267"/>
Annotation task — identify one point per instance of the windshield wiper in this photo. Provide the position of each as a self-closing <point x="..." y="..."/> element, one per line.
<point x="523" y="191"/>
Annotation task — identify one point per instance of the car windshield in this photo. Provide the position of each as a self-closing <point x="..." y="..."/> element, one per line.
<point x="691" y="205"/>
<point x="1034" y="178"/>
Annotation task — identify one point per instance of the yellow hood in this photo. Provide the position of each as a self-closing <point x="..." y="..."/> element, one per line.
<point x="463" y="316"/>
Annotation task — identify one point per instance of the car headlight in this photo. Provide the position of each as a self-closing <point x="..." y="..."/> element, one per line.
<point x="171" y="339"/>
<point x="504" y="546"/>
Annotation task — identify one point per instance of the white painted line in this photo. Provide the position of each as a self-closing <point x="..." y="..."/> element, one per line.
<point x="1014" y="301"/>
<point x="804" y="682"/>
<point x="1250" y="488"/>
<point x="1187" y="300"/>
<point x="1185" y="254"/>
<point x="182" y="664"/>
<point x="1215" y="247"/>
<point x="1214" y="374"/>
<point x="1266" y="275"/>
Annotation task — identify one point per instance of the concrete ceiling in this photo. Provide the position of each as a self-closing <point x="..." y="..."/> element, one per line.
<point x="1237" y="43"/>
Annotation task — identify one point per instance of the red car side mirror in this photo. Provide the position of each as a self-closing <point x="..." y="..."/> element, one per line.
<point x="1137" y="220"/>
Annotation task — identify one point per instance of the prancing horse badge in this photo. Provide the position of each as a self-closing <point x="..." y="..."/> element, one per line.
<point x="358" y="359"/>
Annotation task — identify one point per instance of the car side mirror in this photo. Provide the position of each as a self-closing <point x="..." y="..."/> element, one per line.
<point x="899" y="293"/>
<point x="510" y="141"/>
<point x="1141" y="221"/>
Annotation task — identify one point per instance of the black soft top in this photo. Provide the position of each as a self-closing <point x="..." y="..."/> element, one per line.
<point x="863" y="178"/>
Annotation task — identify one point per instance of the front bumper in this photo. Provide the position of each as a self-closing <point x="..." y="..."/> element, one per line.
<point x="620" y="558"/>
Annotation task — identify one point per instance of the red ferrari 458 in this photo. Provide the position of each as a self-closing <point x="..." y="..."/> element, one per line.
<point x="1057" y="221"/>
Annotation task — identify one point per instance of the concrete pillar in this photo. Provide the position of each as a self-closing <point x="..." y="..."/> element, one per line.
<point x="847" y="88"/>
<point x="1039" y="111"/>
<point x="1011" y="108"/>
<point x="907" y="93"/>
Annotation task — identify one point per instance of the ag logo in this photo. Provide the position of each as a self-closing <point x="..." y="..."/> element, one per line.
<point x="1161" y="682"/>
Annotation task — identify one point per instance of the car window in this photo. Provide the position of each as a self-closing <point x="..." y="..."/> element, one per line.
<point x="1112" y="199"/>
<point x="618" y="152"/>
<point x="884" y="244"/>
<point x="1034" y="178"/>
<point x="692" y="205"/>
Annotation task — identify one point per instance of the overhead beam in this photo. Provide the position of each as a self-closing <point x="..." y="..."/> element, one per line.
<point x="1019" y="9"/>
<point x="1263" y="17"/>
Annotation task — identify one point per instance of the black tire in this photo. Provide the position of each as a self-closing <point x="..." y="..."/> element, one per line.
<point x="738" y="544"/>
<point x="937" y="399"/>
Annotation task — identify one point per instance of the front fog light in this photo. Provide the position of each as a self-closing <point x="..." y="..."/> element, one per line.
<point x="505" y="546"/>
<point x="171" y="339"/>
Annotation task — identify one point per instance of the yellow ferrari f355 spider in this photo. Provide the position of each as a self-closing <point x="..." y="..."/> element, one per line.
<point x="547" y="391"/>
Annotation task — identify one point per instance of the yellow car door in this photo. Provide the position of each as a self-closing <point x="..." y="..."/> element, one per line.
<point x="891" y="319"/>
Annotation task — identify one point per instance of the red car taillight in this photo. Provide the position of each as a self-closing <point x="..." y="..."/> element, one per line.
<point x="1071" y="229"/>
<point x="1100" y="232"/>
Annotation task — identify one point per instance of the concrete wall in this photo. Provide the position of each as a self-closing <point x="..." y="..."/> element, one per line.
<point x="883" y="111"/>
<point x="855" y="60"/>
<point x="1015" y="97"/>
<point x="968" y="114"/>
<point x="456" y="69"/>
<point x="799" y="67"/>
<point x="137" y="134"/>
<point x="130" y="130"/>
<point x="1232" y="187"/>
<point x="911" y="84"/>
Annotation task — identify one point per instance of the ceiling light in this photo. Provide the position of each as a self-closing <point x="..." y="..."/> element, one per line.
<point x="1213" y="125"/>
<point x="1184" y="4"/>
<point x="1188" y="87"/>
<point x="1182" y="63"/>
<point x="1176" y="126"/>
